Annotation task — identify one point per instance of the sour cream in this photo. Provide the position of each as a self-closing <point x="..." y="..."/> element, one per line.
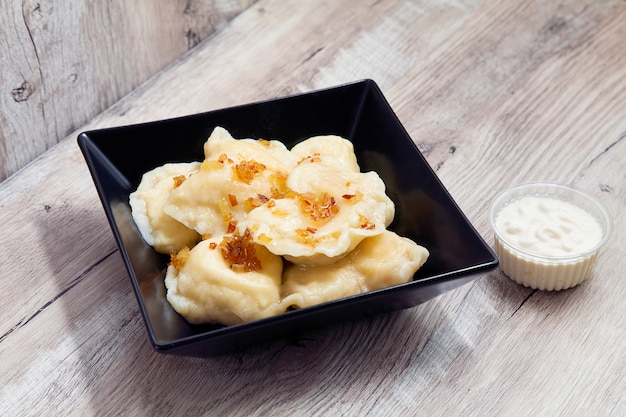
<point x="547" y="236"/>
<point x="548" y="227"/>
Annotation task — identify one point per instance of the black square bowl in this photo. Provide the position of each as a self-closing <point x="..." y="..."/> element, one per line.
<point x="425" y="212"/>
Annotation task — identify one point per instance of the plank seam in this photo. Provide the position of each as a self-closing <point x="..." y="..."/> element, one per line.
<point x="24" y="321"/>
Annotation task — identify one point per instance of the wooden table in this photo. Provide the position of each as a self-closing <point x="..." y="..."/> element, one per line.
<point x="494" y="93"/>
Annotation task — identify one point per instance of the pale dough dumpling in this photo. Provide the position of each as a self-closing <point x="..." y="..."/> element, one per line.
<point x="158" y="229"/>
<point x="271" y="152"/>
<point x="377" y="262"/>
<point x="337" y="150"/>
<point x="236" y="176"/>
<point x="349" y="207"/>
<point x="356" y="189"/>
<point x="206" y="290"/>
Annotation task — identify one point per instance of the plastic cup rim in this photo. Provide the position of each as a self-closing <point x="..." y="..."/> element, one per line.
<point x="493" y="212"/>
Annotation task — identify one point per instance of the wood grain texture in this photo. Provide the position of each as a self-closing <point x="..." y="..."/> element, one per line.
<point x="493" y="92"/>
<point x="63" y="63"/>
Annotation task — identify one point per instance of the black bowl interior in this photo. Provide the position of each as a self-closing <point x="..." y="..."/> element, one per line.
<point x="425" y="212"/>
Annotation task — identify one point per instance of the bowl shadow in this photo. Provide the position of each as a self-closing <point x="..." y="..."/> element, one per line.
<point x="113" y="350"/>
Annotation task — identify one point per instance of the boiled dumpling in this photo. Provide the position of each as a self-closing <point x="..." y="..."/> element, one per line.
<point x="331" y="148"/>
<point x="204" y="287"/>
<point x="331" y="211"/>
<point x="157" y="228"/>
<point x="377" y="262"/>
<point x="273" y="152"/>
<point x="236" y="176"/>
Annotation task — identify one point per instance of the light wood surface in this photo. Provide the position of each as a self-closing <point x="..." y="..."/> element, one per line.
<point x="62" y="63"/>
<point x="494" y="93"/>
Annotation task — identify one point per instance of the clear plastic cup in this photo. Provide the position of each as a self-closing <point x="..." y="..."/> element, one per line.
<point x="546" y="271"/>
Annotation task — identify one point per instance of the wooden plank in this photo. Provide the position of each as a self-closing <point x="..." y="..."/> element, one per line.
<point x="61" y="64"/>
<point x="493" y="93"/>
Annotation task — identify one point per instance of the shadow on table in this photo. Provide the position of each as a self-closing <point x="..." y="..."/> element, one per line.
<point x="116" y="368"/>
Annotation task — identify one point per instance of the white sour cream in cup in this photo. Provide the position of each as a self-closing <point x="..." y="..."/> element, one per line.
<point x="547" y="236"/>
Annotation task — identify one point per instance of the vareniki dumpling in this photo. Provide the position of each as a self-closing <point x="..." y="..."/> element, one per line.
<point x="236" y="176"/>
<point x="204" y="287"/>
<point x="337" y="150"/>
<point x="377" y="262"/>
<point x="159" y="230"/>
<point x="271" y="152"/>
<point x="332" y="210"/>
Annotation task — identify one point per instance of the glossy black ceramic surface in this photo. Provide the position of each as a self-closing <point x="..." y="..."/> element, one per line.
<point x="425" y="212"/>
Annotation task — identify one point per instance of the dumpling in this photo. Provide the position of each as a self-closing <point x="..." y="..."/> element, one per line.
<point x="158" y="229"/>
<point x="334" y="149"/>
<point x="356" y="189"/>
<point x="204" y="287"/>
<point x="377" y="262"/>
<point x="331" y="211"/>
<point x="272" y="152"/>
<point x="236" y="176"/>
